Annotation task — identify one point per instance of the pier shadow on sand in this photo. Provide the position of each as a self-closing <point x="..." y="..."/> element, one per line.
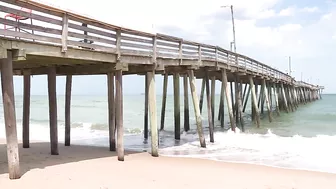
<point x="38" y="156"/>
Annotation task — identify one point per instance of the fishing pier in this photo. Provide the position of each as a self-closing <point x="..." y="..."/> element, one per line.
<point x="38" y="39"/>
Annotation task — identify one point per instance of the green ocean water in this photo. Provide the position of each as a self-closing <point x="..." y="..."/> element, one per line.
<point x="294" y="140"/>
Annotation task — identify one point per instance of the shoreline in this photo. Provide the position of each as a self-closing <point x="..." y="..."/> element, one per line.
<point x="100" y="169"/>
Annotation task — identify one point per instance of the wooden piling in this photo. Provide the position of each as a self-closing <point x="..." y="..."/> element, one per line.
<point x="9" y="116"/>
<point x="197" y="111"/>
<point x="213" y="90"/>
<point x="267" y="100"/>
<point x="228" y="99"/>
<point x="276" y="99"/>
<point x="111" y="111"/>
<point x="119" y="115"/>
<point x="67" y="110"/>
<point x="221" y="106"/>
<point x="207" y="88"/>
<point x="240" y="105"/>
<point x="152" y="109"/>
<point x="247" y="97"/>
<point x="164" y="100"/>
<point x="177" y="106"/>
<point x="202" y="95"/>
<point x="284" y="97"/>
<point x="53" y="110"/>
<point x="26" y="110"/>
<point x="186" y="103"/>
<point x="146" y="108"/>
<point x="254" y="101"/>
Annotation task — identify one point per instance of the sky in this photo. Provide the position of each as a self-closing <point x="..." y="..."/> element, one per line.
<point x="267" y="30"/>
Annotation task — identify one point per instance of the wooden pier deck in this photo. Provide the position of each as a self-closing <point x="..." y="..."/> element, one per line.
<point x="54" y="42"/>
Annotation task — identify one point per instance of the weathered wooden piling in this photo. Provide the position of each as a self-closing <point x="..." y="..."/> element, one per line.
<point x="177" y="114"/>
<point x="276" y="99"/>
<point x="221" y="106"/>
<point x="247" y="97"/>
<point x="254" y="101"/>
<point x="67" y="130"/>
<point x="228" y="99"/>
<point x="10" y="117"/>
<point x="146" y="108"/>
<point x="284" y="97"/>
<point x="196" y="108"/>
<point x="267" y="100"/>
<point x="152" y="109"/>
<point x="213" y="90"/>
<point x="53" y="110"/>
<point x="186" y="103"/>
<point x="119" y="114"/>
<point x="207" y="88"/>
<point x="240" y="106"/>
<point x="26" y="111"/>
<point x="164" y="100"/>
<point x="202" y="95"/>
<point x="111" y="110"/>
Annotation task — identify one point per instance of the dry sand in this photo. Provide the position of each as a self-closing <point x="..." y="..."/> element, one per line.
<point x="97" y="168"/>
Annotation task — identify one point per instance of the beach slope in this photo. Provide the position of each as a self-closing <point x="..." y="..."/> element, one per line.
<point x="97" y="168"/>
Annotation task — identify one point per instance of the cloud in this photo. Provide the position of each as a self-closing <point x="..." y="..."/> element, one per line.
<point x="287" y="12"/>
<point x="310" y="9"/>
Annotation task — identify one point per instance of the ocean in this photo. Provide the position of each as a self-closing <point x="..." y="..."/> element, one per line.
<point x="298" y="140"/>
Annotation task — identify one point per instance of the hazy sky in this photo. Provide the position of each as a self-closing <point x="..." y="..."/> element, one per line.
<point x="266" y="30"/>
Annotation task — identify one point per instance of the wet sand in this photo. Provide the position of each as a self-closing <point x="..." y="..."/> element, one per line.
<point x="97" y="168"/>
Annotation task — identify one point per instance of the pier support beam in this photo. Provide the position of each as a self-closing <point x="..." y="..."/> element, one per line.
<point x="207" y="88"/>
<point x="9" y="116"/>
<point x="197" y="111"/>
<point x="67" y="110"/>
<point x="276" y="99"/>
<point x="164" y="100"/>
<point x="284" y="97"/>
<point x="240" y="104"/>
<point x="177" y="114"/>
<point x="213" y="90"/>
<point x="221" y="106"/>
<point x="267" y="100"/>
<point x="146" y="109"/>
<point x="26" y="110"/>
<point x="111" y="111"/>
<point x="119" y="115"/>
<point x="228" y="99"/>
<point x="254" y="101"/>
<point x="186" y="104"/>
<point x="152" y="109"/>
<point x="202" y="95"/>
<point x="53" y="110"/>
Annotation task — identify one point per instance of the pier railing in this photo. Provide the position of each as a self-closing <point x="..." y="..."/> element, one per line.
<point x="67" y="29"/>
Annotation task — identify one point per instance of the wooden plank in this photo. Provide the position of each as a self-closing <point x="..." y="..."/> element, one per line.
<point x="53" y="110"/>
<point x="65" y="32"/>
<point x="134" y="39"/>
<point x="91" y="46"/>
<point x="166" y="44"/>
<point x="30" y="15"/>
<point x="192" y="82"/>
<point x="68" y="86"/>
<point x="26" y="111"/>
<point x="163" y="50"/>
<point x="9" y="116"/>
<point x="92" y="30"/>
<point x="137" y="46"/>
<point x="30" y="36"/>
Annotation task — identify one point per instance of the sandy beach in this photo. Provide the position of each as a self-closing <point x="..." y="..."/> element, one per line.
<point x="97" y="168"/>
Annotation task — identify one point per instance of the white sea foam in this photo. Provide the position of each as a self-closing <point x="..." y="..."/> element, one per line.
<point x="288" y="152"/>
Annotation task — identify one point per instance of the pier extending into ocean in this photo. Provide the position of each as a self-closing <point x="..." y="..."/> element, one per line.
<point x="38" y="39"/>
